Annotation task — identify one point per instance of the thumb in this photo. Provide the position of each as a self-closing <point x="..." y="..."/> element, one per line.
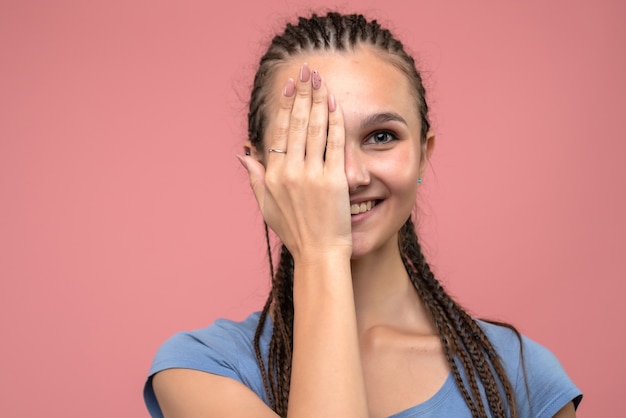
<point x="256" y="174"/>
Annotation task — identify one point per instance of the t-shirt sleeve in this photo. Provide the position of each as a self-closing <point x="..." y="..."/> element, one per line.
<point x="217" y="349"/>
<point x="542" y="387"/>
<point x="549" y="386"/>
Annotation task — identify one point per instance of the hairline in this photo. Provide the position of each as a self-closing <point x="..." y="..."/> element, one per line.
<point x="384" y="55"/>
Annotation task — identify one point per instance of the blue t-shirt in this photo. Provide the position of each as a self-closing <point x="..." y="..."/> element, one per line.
<point x="226" y="348"/>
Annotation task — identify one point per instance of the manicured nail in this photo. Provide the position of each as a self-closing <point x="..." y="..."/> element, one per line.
<point x="332" y="104"/>
<point x="242" y="161"/>
<point x="290" y="88"/>
<point x="305" y="73"/>
<point x="316" y="80"/>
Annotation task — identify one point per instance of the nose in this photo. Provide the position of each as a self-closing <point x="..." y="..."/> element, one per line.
<point x="356" y="168"/>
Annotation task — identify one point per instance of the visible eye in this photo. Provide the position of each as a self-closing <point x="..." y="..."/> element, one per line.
<point x="381" y="138"/>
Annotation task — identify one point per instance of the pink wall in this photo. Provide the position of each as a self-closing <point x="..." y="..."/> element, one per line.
<point x="124" y="215"/>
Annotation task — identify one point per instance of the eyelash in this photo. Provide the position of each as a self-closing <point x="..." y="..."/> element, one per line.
<point x="390" y="136"/>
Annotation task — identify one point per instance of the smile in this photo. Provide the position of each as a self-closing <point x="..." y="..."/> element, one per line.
<point x="362" y="207"/>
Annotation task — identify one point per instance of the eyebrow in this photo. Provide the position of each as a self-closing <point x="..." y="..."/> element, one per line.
<point x="379" y="118"/>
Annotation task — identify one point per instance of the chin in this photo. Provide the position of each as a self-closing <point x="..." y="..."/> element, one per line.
<point x="363" y="249"/>
<point x="367" y="244"/>
<point x="359" y="250"/>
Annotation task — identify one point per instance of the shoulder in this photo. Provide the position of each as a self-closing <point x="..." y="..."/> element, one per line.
<point x="224" y="348"/>
<point x="520" y="353"/>
<point x="224" y="340"/>
<point x="541" y="384"/>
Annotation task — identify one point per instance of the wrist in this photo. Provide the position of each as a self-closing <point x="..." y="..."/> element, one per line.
<point x="321" y="257"/>
<point x="322" y="277"/>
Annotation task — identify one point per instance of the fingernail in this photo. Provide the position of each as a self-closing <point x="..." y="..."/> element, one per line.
<point x="316" y="80"/>
<point x="242" y="161"/>
<point x="332" y="104"/>
<point x="305" y="73"/>
<point x="290" y="88"/>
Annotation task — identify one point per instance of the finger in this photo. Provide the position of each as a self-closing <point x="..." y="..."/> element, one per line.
<point x="299" y="121"/>
<point x="280" y="132"/>
<point x="318" y="122"/>
<point x="256" y="174"/>
<point x="336" y="140"/>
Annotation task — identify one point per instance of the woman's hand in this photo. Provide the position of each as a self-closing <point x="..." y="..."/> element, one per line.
<point x="304" y="198"/>
<point x="303" y="193"/>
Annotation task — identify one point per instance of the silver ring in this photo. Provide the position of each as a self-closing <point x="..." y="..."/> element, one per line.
<point x="277" y="151"/>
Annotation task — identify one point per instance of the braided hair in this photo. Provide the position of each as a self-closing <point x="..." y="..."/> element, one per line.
<point x="469" y="353"/>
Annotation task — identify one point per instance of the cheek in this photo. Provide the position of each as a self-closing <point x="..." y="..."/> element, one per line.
<point x="403" y="168"/>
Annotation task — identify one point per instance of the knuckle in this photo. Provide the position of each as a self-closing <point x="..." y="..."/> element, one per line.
<point x="333" y="144"/>
<point x="311" y="177"/>
<point x="336" y="184"/>
<point x="270" y="180"/>
<point x="319" y="99"/>
<point x="303" y="93"/>
<point x="298" y="123"/>
<point x="333" y="121"/>
<point x="286" y="104"/>
<point x="315" y="130"/>
<point x="253" y="183"/>
<point x="286" y="177"/>
<point x="289" y="177"/>
<point x="282" y="130"/>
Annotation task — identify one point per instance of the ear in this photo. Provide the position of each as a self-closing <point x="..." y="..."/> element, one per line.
<point x="249" y="149"/>
<point x="427" y="151"/>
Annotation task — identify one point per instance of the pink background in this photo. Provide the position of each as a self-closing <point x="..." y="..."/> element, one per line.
<point x="124" y="215"/>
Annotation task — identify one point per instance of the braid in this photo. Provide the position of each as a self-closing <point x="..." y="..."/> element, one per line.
<point x="468" y="351"/>
<point x="473" y="355"/>
<point x="262" y="318"/>
<point x="283" y="314"/>
<point x="277" y="374"/>
<point x="333" y="32"/>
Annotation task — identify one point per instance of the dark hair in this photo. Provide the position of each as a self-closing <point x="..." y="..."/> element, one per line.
<point x="469" y="353"/>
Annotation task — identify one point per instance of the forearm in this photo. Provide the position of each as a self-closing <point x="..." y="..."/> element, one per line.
<point x="327" y="376"/>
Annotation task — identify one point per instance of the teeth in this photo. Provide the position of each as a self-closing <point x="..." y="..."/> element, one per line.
<point x="361" y="207"/>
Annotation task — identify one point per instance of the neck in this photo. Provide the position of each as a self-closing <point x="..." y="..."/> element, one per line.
<point x="383" y="292"/>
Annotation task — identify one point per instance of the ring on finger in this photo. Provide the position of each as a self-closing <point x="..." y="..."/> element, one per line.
<point x="277" y="151"/>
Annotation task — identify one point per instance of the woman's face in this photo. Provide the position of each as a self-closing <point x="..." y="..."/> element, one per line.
<point x="383" y="154"/>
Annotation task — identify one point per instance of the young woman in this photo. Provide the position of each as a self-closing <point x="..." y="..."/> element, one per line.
<point x="356" y="325"/>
